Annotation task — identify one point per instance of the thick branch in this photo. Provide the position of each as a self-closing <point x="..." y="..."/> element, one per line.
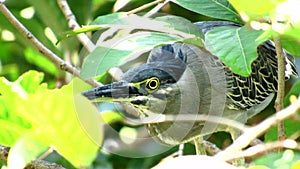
<point x="36" y="164"/>
<point x="254" y="132"/>
<point x="83" y="38"/>
<point x="40" y="47"/>
<point x="281" y="86"/>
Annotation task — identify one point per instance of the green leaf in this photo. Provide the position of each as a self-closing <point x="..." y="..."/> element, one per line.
<point x="256" y="7"/>
<point x="26" y="149"/>
<point x="283" y="160"/>
<point x="235" y="46"/>
<point x="295" y="90"/>
<point x="114" y="18"/>
<point x="292" y="31"/>
<point x="54" y="114"/>
<point x="182" y="25"/>
<point x="100" y="60"/>
<point x="31" y="81"/>
<point x="111" y="116"/>
<point x="220" y="9"/>
<point x="291" y="45"/>
<point x="62" y="114"/>
<point x="291" y="127"/>
<point x="103" y="58"/>
<point x="118" y="49"/>
<point x="12" y="125"/>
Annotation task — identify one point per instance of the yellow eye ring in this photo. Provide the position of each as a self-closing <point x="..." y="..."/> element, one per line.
<point x="152" y="83"/>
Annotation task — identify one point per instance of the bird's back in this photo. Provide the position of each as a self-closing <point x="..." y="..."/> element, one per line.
<point x="246" y="92"/>
<point x="221" y="92"/>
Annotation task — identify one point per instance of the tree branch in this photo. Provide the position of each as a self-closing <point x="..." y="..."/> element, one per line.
<point x="251" y="133"/>
<point x="40" y="47"/>
<point x="281" y="86"/>
<point x="144" y="7"/>
<point x="265" y="148"/>
<point x="191" y="118"/>
<point x="156" y="9"/>
<point x="73" y="24"/>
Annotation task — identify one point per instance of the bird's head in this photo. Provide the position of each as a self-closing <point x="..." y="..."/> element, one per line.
<point x="175" y="80"/>
<point x="151" y="88"/>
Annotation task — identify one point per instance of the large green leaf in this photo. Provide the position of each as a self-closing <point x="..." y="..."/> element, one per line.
<point x="235" y="46"/>
<point x="59" y="121"/>
<point x="60" y="118"/>
<point x="162" y="30"/>
<point x="220" y="9"/>
<point x="103" y="58"/>
<point x="12" y="125"/>
<point x="100" y="60"/>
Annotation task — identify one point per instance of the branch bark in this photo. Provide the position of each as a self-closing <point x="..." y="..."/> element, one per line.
<point x="280" y="87"/>
<point x="40" y="47"/>
<point x="73" y="24"/>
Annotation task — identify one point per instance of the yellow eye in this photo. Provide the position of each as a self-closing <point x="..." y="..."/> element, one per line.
<point x="152" y="83"/>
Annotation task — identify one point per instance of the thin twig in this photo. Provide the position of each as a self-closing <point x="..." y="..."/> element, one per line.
<point x="254" y="132"/>
<point x="144" y="7"/>
<point x="73" y="24"/>
<point x="265" y="148"/>
<point x="199" y="146"/>
<point x="191" y="118"/>
<point x="46" y="154"/>
<point x="156" y="9"/>
<point x="41" y="48"/>
<point x="211" y="148"/>
<point x="280" y="87"/>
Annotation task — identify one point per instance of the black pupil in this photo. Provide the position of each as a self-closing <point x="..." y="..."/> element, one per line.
<point x="152" y="84"/>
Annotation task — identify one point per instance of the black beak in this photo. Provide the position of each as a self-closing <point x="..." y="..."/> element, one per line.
<point x="115" y="90"/>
